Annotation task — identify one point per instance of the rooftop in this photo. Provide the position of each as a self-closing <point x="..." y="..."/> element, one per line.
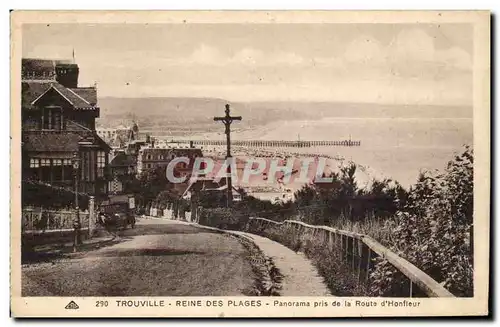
<point x="81" y="98"/>
<point x="42" y="69"/>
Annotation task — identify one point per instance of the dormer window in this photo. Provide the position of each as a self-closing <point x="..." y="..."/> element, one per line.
<point x="52" y="118"/>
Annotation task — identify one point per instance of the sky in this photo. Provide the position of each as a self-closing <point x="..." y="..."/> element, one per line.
<point x="369" y="63"/>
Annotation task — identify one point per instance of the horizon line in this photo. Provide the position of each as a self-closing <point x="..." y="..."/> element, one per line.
<point x="284" y="101"/>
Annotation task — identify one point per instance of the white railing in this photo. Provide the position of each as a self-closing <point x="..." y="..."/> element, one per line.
<point x="359" y="251"/>
<point x="39" y="220"/>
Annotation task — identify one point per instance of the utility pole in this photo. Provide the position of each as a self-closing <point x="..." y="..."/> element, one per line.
<point x="227" y="120"/>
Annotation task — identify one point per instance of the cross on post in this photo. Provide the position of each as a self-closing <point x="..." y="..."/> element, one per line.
<point x="227" y="120"/>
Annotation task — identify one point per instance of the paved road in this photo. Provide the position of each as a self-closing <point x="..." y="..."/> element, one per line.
<point x="154" y="259"/>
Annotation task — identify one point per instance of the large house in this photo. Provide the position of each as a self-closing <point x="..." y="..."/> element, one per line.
<point x="58" y="126"/>
<point x="151" y="157"/>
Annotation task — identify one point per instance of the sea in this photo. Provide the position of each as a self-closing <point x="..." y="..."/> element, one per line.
<point x="393" y="148"/>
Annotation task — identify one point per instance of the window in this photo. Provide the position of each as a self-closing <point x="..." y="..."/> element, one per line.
<point x="45" y="169"/>
<point x="67" y="169"/>
<point x="34" y="163"/>
<point x="57" y="169"/>
<point x="52" y="118"/>
<point x="51" y="170"/>
<point x="149" y="157"/>
<point x="101" y="163"/>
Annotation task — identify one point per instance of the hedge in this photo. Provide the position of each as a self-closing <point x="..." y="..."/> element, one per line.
<point x="37" y="194"/>
<point x="224" y="218"/>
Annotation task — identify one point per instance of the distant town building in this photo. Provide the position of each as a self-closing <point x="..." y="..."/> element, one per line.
<point x="58" y="124"/>
<point x="122" y="170"/>
<point x="119" y="136"/>
<point x="149" y="158"/>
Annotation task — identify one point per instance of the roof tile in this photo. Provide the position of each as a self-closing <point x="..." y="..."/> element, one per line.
<point x="87" y="93"/>
<point x="31" y="90"/>
<point x="51" y="141"/>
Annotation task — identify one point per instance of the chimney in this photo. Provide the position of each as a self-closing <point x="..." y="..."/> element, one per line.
<point x="67" y="75"/>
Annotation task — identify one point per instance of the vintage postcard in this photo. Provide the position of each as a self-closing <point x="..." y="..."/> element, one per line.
<point x="250" y="163"/>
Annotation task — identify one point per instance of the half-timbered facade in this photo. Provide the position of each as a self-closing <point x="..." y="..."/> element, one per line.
<point x="58" y="126"/>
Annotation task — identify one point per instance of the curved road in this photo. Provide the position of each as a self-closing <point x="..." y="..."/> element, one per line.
<point x="157" y="258"/>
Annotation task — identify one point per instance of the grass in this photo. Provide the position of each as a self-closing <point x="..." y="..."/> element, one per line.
<point x="372" y="226"/>
<point x="335" y="271"/>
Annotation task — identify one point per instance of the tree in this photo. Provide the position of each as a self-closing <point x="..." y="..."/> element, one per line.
<point x="153" y="181"/>
<point x="434" y="231"/>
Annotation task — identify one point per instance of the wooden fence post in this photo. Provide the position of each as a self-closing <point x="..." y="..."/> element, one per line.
<point x="360" y="257"/>
<point x="343" y="247"/>
<point x="92" y="215"/>
<point x="39" y="218"/>
<point x="353" y="254"/>
<point x="368" y="262"/>
<point x="354" y="246"/>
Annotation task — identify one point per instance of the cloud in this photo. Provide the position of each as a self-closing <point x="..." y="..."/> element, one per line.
<point x="247" y="56"/>
<point x="208" y="55"/>
<point x="365" y="49"/>
<point x="455" y="57"/>
<point x="410" y="48"/>
<point x="412" y="45"/>
<point x="287" y="58"/>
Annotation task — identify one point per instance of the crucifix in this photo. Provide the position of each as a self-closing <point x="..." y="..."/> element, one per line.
<point x="227" y="120"/>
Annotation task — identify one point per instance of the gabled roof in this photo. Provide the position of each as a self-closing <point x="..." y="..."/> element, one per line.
<point x="32" y="90"/>
<point x="61" y="141"/>
<point x="98" y="140"/>
<point x="122" y="159"/>
<point x="80" y="98"/>
<point x="48" y="142"/>
<point x="87" y="93"/>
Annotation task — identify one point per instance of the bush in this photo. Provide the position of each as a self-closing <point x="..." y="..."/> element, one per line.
<point x="434" y="232"/>
<point x="38" y="194"/>
<point x="223" y="218"/>
<point x="335" y="271"/>
<point x="430" y="225"/>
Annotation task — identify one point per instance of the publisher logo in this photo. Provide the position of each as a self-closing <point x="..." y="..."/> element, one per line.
<point x="72" y="306"/>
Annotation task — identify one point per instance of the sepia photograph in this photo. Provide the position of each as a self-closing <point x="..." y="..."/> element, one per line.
<point x="187" y="162"/>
